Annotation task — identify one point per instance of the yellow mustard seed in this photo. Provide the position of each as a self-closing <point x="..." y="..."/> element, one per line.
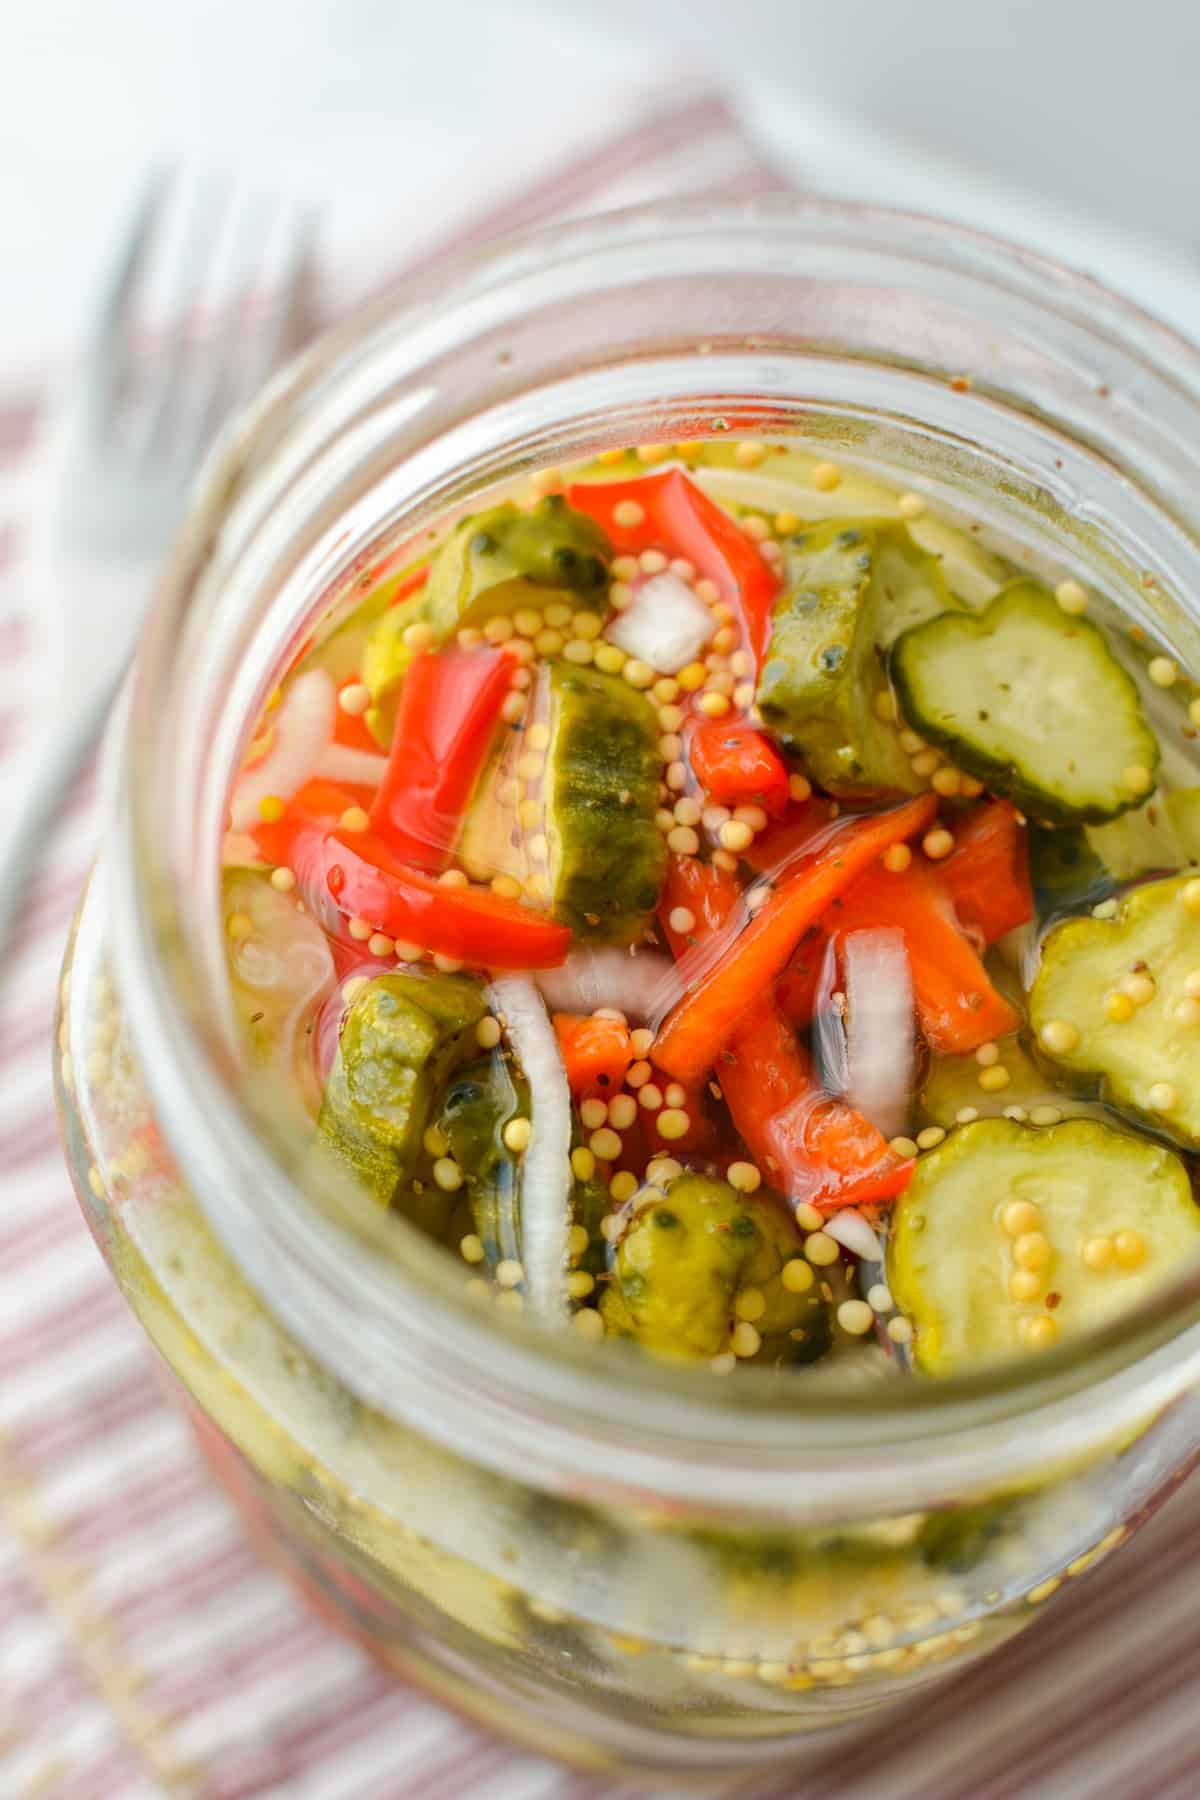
<point x="1189" y="895"/>
<point x="797" y="1276"/>
<point x="589" y="1324"/>
<point x="826" y="476"/>
<point x="855" y="1317"/>
<point x="650" y="1097"/>
<point x="910" y="506"/>
<point x="744" y="1340"/>
<point x="994" y="1079"/>
<point x="937" y="844"/>
<point x="380" y="944"/>
<point x="897" y="858"/>
<point x="987" y="1054"/>
<point x="580" y="1284"/>
<point x="516" y="1134"/>
<point x="1163" y="671"/>
<point x="1162" y="1096"/>
<point x="652" y="562"/>
<point x="930" y="1138"/>
<point x="1020" y="1216"/>
<point x="1118" y="1007"/>
<point x="1032" y="1250"/>
<point x="283" y="880"/>
<point x="239" y="926"/>
<point x="799" y="788"/>
<point x="884" y="705"/>
<point x="471" y="1248"/>
<point x="749" y="453"/>
<point x="1045" y="1115"/>
<point x="1137" y="779"/>
<point x="271" y="808"/>
<point x="1024" y="1284"/>
<point x="623" y="1186"/>
<point x="1059" y="1037"/>
<point x="744" y="1177"/>
<point x="1097" y="1254"/>
<point x="900" y="1331"/>
<point x="925" y="763"/>
<point x="673" y="1122"/>
<point x="808" y="1218"/>
<point x="447" y="1174"/>
<point x="905" y="1146"/>
<point x="821" y="1249"/>
<point x="1040" y="1333"/>
<point x="1129" y="1247"/>
<point x="605" y="1144"/>
<point x="1071" y="597"/>
<point x="1140" y="987"/>
<point x="622" y="1111"/>
<point x="750" y="1304"/>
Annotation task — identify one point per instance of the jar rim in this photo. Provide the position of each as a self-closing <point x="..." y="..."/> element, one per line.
<point x="279" y="454"/>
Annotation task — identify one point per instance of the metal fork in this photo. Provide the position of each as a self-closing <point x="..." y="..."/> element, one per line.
<point x="225" y="275"/>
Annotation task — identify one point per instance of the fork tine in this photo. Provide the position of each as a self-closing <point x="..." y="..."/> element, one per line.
<point x="106" y="363"/>
<point x="204" y="219"/>
<point x="285" y="322"/>
<point x="249" y="347"/>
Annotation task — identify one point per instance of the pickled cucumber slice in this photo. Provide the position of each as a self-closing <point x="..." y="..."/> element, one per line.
<point x="1031" y="701"/>
<point x="1104" y="1216"/>
<point x="606" y="856"/>
<point x="686" y="1254"/>
<point x="952" y="1085"/>
<point x="1149" y="1061"/>
<point x="475" y="1108"/>
<point x="851" y="588"/>
<point x="403" y="1037"/>
<point x="506" y="558"/>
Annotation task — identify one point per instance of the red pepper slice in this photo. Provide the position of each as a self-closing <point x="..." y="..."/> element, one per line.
<point x="596" y="1053"/>
<point x="798" y="830"/>
<point x="813" y="1146"/>
<point x="738" y="765"/>
<point x="708" y="893"/>
<point x="368" y="881"/>
<point x="986" y="875"/>
<point x="679" y="517"/>
<point x="703" y="1021"/>
<point x="957" y="1005"/>
<point x="446" y="721"/>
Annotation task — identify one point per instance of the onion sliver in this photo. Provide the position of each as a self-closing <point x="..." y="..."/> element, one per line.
<point x="546" y="1163"/>
<point x="342" y="762"/>
<point x="667" y="624"/>
<point x="303" y="727"/>
<point x="880" y="1027"/>
<point x="851" y="1230"/>
<point x="638" y="983"/>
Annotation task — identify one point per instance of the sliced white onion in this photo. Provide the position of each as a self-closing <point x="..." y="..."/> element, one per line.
<point x="634" y="981"/>
<point x="343" y="762"/>
<point x="851" y="1230"/>
<point x="880" y="1027"/>
<point x="829" y="1028"/>
<point x="303" y="726"/>
<point x="667" y="625"/>
<point x="546" y="1165"/>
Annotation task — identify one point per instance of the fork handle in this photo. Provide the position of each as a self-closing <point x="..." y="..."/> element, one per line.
<point x="43" y="771"/>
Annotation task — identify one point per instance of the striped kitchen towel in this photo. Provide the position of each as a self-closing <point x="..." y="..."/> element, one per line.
<point x="144" y="1650"/>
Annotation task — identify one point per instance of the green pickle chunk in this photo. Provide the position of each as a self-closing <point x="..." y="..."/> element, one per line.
<point x="475" y="1108"/>
<point x="1014" y="1236"/>
<point x="1030" y="700"/>
<point x="403" y="1037"/>
<point x="851" y="587"/>
<point x="506" y="558"/>
<point x="1150" y="1059"/>
<point x="688" y="1253"/>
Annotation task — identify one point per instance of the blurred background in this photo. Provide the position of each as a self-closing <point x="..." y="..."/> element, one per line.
<point x="143" y="1649"/>
<point x="1070" y="123"/>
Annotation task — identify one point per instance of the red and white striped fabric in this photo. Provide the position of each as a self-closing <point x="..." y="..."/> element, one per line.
<point x="143" y="1648"/>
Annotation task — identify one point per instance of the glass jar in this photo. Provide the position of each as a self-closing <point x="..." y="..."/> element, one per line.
<point x="617" y="1560"/>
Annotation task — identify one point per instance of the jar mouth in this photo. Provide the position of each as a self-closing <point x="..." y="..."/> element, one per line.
<point x="1084" y="411"/>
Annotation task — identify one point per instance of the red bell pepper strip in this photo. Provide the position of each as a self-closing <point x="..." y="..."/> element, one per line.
<point x="799" y="829"/>
<point x="708" y="893"/>
<point x="986" y="875"/>
<point x="805" y="1141"/>
<point x="596" y="1053"/>
<point x="369" y="882"/>
<point x="957" y="1005"/>
<point x="312" y="810"/>
<point x="679" y="517"/>
<point x="446" y="721"/>
<point x="702" y="1022"/>
<point x="798" y="990"/>
<point x="737" y="764"/>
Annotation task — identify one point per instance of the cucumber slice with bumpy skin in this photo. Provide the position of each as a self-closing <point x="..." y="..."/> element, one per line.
<point x="403" y="1037"/>
<point x="683" y="1259"/>
<point x="1150" y="1060"/>
<point x="507" y="558"/>
<point x="1012" y="1237"/>
<point x="1032" y="702"/>
<point x="851" y="588"/>
<point x="951" y="1085"/>
<point x="606" y="856"/>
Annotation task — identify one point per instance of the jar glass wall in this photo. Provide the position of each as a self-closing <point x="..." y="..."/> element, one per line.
<point x="653" y="1571"/>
